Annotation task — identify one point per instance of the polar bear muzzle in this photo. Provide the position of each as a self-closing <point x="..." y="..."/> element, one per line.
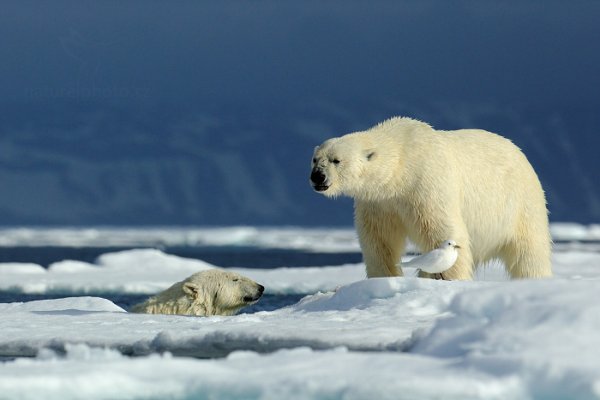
<point x="318" y="180"/>
<point x="252" y="298"/>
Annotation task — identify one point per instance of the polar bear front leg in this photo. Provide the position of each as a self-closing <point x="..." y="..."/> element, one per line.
<point x="382" y="240"/>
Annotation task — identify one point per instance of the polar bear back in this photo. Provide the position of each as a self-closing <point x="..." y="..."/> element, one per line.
<point x="490" y="175"/>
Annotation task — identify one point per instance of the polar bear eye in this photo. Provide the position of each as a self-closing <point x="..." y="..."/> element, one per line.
<point x="236" y="279"/>
<point x="336" y="161"/>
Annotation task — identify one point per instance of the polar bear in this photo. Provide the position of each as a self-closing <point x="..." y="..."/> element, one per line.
<point x="409" y="181"/>
<point x="205" y="293"/>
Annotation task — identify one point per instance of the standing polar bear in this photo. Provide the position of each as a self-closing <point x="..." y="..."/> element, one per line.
<point x="410" y="181"/>
<point x="205" y="293"/>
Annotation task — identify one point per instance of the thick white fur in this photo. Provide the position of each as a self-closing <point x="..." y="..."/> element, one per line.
<point x="410" y="181"/>
<point x="205" y="293"/>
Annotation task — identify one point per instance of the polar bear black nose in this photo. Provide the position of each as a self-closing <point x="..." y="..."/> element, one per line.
<point x="261" y="288"/>
<point x="317" y="177"/>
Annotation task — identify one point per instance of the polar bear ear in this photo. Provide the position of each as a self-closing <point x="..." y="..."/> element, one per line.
<point x="370" y="154"/>
<point x="191" y="289"/>
<point x="199" y="296"/>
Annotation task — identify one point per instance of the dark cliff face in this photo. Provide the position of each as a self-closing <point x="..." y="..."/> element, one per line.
<point x="153" y="113"/>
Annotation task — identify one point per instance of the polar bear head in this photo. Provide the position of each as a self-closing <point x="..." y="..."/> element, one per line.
<point x="343" y="166"/>
<point x="205" y="293"/>
<point x="218" y="292"/>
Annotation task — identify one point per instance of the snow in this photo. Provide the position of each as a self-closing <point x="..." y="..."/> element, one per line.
<point x="288" y="374"/>
<point x="572" y="231"/>
<point x="517" y="340"/>
<point x="308" y="239"/>
<point x="80" y="304"/>
<point x="348" y="338"/>
<point x="544" y="332"/>
<point x="319" y="321"/>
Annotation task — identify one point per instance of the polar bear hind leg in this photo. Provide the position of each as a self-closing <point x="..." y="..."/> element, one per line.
<point x="528" y="255"/>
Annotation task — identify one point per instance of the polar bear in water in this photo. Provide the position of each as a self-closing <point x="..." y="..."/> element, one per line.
<point x="205" y="293"/>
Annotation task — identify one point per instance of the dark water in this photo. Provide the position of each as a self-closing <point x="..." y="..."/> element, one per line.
<point x="268" y="302"/>
<point x="246" y="257"/>
<point x="219" y="256"/>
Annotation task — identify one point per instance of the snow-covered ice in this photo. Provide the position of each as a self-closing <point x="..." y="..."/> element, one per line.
<point x="308" y="239"/>
<point x="356" y="316"/>
<point x="503" y="340"/>
<point x="298" y="238"/>
<point x="348" y="338"/>
<point x="149" y="271"/>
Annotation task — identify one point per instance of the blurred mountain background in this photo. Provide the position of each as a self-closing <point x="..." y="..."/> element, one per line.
<point x="206" y="113"/>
